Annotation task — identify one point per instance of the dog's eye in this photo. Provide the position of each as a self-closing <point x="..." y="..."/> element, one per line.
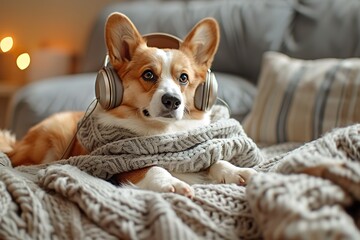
<point x="148" y="75"/>
<point x="183" y="79"/>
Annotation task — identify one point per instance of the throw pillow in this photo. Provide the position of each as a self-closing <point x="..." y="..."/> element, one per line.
<point x="299" y="100"/>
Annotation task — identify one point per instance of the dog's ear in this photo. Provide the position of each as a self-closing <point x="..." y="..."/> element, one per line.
<point x="203" y="41"/>
<point x="122" y="38"/>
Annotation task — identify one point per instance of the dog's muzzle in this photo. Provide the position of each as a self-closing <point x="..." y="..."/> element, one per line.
<point x="170" y="108"/>
<point x="171" y="102"/>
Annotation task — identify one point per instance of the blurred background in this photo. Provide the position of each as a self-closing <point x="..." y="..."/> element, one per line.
<point x="41" y="39"/>
<point x="44" y="38"/>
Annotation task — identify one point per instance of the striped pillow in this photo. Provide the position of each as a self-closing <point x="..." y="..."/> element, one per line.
<point x="299" y="100"/>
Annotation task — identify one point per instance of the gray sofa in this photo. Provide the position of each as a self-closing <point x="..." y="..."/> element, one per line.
<point x="307" y="29"/>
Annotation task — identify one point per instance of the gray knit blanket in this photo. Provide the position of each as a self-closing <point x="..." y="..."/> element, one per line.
<point x="311" y="192"/>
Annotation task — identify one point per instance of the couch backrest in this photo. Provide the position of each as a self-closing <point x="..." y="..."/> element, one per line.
<point x="307" y="29"/>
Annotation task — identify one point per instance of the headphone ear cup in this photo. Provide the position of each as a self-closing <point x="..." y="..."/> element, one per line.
<point x="213" y="91"/>
<point x="206" y="93"/>
<point x="108" y="88"/>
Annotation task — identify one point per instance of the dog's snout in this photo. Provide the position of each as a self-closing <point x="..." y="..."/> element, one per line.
<point x="170" y="102"/>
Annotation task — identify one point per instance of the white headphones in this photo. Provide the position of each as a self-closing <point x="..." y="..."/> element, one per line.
<point x="109" y="89"/>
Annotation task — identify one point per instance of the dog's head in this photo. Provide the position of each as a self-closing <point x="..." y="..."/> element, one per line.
<point x="159" y="84"/>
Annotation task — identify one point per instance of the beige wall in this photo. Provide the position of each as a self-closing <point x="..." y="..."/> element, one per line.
<point x="61" y="24"/>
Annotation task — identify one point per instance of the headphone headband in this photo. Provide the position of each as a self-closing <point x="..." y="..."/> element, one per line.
<point x="162" y="40"/>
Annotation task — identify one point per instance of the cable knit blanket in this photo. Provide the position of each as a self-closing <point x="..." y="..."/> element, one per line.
<point x="311" y="192"/>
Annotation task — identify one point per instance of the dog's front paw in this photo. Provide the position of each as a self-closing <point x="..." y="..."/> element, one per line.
<point x="160" y="180"/>
<point x="238" y="175"/>
<point x="176" y="186"/>
<point x="225" y="172"/>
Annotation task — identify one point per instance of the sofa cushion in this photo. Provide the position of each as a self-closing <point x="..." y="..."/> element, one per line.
<point x="237" y="92"/>
<point x="299" y="100"/>
<point x="244" y="36"/>
<point x="39" y="100"/>
<point x="305" y="29"/>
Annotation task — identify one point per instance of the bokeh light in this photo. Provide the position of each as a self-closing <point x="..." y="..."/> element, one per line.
<point x="6" y="44"/>
<point x="23" y="61"/>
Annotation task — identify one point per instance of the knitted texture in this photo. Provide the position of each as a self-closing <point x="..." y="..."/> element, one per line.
<point x="308" y="193"/>
<point x="288" y="204"/>
<point x="114" y="149"/>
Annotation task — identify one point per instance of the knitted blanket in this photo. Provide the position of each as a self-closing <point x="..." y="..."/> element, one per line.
<point x="311" y="192"/>
<point x="114" y="149"/>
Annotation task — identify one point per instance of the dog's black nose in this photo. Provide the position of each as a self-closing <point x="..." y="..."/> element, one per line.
<point x="170" y="102"/>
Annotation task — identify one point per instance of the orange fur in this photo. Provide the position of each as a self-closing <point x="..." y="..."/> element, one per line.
<point x="130" y="57"/>
<point x="132" y="176"/>
<point x="48" y="139"/>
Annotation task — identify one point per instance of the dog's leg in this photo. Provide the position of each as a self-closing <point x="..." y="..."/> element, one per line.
<point x="225" y="172"/>
<point x="156" y="179"/>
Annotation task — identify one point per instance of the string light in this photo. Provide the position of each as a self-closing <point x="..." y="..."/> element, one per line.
<point x="23" y="61"/>
<point x="6" y="44"/>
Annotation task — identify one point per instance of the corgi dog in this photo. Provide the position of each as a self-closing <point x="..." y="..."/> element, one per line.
<point x="159" y="85"/>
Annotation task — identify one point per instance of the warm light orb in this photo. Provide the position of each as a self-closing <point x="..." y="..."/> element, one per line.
<point x="6" y="44"/>
<point x="23" y="61"/>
